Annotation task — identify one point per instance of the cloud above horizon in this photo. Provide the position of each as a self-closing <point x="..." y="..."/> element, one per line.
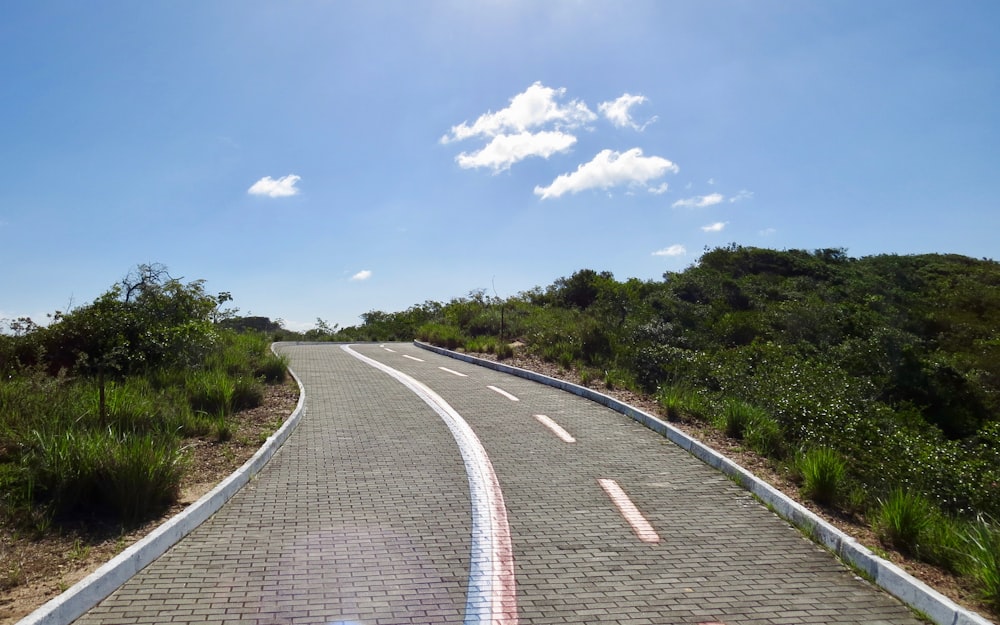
<point x="618" y="111"/>
<point x="716" y="227"/>
<point x="364" y="274"/>
<point x="609" y="169"/>
<point x="282" y="187"/>
<point x="505" y="150"/>
<point x="742" y="195"/>
<point x="673" y="250"/>
<point x="700" y="201"/>
<point x="542" y="122"/>
<point x="538" y="105"/>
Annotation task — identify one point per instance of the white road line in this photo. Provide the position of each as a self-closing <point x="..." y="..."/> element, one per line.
<point x="412" y="357"/>
<point x="492" y="593"/>
<point x="461" y="375"/>
<point x="556" y="428"/>
<point x="388" y="350"/>
<point x="503" y="392"/>
<point x="639" y="524"/>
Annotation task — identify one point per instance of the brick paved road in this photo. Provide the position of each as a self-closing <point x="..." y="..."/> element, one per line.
<point x="363" y="517"/>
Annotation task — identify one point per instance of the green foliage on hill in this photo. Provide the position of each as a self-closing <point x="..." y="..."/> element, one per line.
<point x="866" y="377"/>
<point x="893" y="361"/>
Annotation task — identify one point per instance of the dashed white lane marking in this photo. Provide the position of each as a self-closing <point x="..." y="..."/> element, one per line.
<point x="556" y="428"/>
<point x="387" y="349"/>
<point x="492" y="594"/>
<point x="461" y="375"/>
<point x="503" y="392"/>
<point x="412" y="357"/>
<point x="643" y="530"/>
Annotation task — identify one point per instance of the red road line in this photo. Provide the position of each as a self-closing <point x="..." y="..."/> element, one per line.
<point x="503" y="392"/>
<point x="556" y="428"/>
<point x="642" y="528"/>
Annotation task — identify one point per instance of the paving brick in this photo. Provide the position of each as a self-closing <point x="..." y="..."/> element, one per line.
<point x="364" y="516"/>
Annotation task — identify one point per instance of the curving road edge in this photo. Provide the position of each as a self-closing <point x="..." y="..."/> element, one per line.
<point x="884" y="574"/>
<point x="91" y="590"/>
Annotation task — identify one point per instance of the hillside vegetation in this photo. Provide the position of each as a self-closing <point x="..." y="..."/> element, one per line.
<point x="875" y="380"/>
<point x="95" y="408"/>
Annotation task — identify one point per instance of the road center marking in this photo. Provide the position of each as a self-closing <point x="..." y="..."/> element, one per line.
<point x="556" y="428"/>
<point x="503" y="392"/>
<point x="492" y="594"/>
<point x="643" y="530"/>
<point x="461" y="375"/>
<point x="412" y="357"/>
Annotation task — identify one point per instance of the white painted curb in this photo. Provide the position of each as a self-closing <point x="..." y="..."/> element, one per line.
<point x="91" y="590"/>
<point x="886" y="575"/>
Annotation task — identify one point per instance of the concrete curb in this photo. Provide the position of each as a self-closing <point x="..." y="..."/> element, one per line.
<point x="94" y="588"/>
<point x="886" y="575"/>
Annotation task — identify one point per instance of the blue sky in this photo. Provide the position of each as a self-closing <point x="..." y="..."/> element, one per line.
<point x="324" y="159"/>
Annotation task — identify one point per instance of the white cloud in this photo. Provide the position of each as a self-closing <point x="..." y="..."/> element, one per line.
<point x="659" y="190"/>
<point x="536" y="106"/>
<point x="609" y="169"/>
<point x="742" y="195"/>
<point x="673" y="250"/>
<point x="282" y="187"/>
<point x="617" y="111"/>
<point x="766" y="232"/>
<point x="700" y="201"/>
<point x="364" y="274"/>
<point x="716" y="227"/>
<point x="505" y="150"/>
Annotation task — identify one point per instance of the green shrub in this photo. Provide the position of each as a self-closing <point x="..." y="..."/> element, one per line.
<point x="130" y="474"/>
<point x="441" y="335"/>
<point x="273" y="369"/>
<point x="903" y="519"/>
<point x="982" y="558"/>
<point x="763" y="435"/>
<point x="823" y="474"/>
<point x="247" y="393"/>
<point x="139" y="475"/>
<point x="63" y="468"/>
<point x="680" y="402"/>
<point x="210" y="391"/>
<point x="504" y="350"/>
<point x="737" y="416"/>
<point x="131" y="405"/>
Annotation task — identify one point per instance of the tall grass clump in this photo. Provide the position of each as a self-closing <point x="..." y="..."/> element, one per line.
<point x="903" y="519"/>
<point x="62" y="468"/>
<point x="489" y="345"/>
<point x="981" y="542"/>
<point x="210" y="391"/>
<point x="737" y="417"/>
<point x="823" y="473"/>
<point x="139" y="473"/>
<point x="440" y="334"/>
<point x="272" y="368"/>
<point x="679" y="402"/>
<point x="763" y="435"/>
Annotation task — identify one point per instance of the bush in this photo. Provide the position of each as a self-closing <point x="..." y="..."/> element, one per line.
<point x="140" y="474"/>
<point x="129" y="474"/>
<point x="441" y="335"/>
<point x="210" y="391"/>
<point x="903" y="520"/>
<point x="763" y="435"/>
<point x="823" y="473"/>
<point x="982" y="558"/>
<point x="680" y="402"/>
<point x="737" y="418"/>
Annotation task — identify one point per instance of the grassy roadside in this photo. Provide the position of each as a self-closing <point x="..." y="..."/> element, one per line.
<point x="37" y="568"/>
